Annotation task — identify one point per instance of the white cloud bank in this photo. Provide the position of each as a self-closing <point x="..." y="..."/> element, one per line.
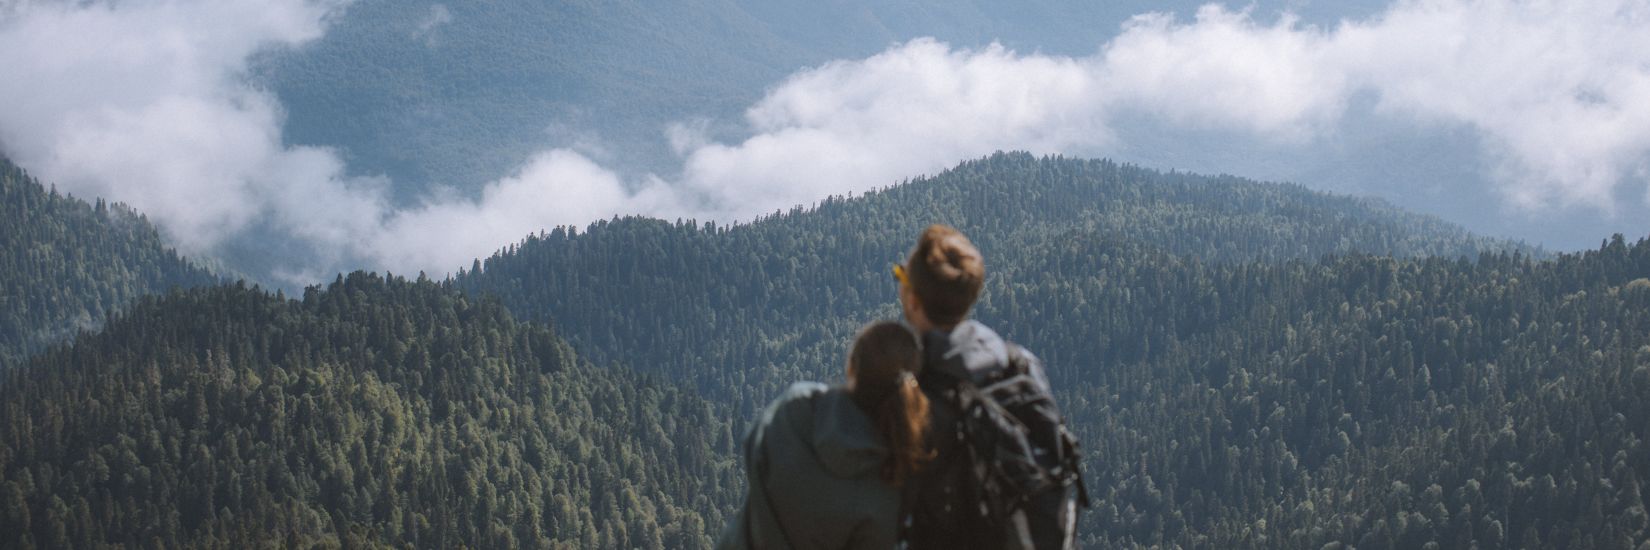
<point x="145" y="102"/>
<point x="1557" y="92"/>
<point x="142" y="102"/>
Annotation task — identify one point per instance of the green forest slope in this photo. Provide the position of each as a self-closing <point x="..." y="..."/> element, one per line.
<point x="1236" y="387"/>
<point x="1363" y="400"/>
<point x="1249" y="365"/>
<point x="65" y="265"/>
<point x="774" y="299"/>
<point x="381" y="412"/>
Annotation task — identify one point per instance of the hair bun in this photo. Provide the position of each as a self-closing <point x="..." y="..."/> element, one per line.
<point x="953" y="257"/>
<point x="947" y="273"/>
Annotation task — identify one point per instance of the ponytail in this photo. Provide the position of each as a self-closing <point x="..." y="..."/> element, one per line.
<point x="903" y="420"/>
<point x="882" y="368"/>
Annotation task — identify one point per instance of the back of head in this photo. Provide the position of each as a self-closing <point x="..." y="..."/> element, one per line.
<point x="946" y="274"/>
<point x="882" y="368"/>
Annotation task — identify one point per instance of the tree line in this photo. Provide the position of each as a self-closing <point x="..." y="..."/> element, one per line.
<point x="66" y="264"/>
<point x="1249" y="365"/>
<point x="1255" y="365"/>
<point x="373" y="412"/>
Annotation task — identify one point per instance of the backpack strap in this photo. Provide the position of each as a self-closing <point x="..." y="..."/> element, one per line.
<point x="1074" y="461"/>
<point x="1022" y="362"/>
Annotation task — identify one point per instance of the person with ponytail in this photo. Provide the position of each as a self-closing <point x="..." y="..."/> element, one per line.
<point x="825" y="465"/>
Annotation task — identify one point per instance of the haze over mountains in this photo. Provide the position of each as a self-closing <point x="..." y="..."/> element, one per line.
<point x="69" y="264"/>
<point x="299" y="139"/>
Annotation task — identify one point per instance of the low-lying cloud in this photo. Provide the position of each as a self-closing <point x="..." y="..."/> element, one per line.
<point x="1557" y="93"/>
<point x="148" y="104"/>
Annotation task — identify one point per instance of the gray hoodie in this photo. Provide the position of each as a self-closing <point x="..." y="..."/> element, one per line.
<point x="813" y="463"/>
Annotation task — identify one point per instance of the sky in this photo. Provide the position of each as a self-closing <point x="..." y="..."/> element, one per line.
<point x="1513" y="118"/>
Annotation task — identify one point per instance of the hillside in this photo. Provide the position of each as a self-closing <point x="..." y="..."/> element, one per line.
<point x="769" y="299"/>
<point x="1363" y="400"/>
<point x="382" y="412"/>
<point x="1251" y="365"/>
<point x="65" y="265"/>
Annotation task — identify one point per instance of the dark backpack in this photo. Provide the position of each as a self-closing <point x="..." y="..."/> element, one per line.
<point x="1004" y="479"/>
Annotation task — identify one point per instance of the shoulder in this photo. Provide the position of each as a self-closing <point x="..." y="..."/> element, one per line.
<point x="969" y="351"/>
<point x="1019" y="353"/>
<point x="794" y="401"/>
<point x="1009" y="356"/>
<point x="1021" y="360"/>
<point x="801" y="391"/>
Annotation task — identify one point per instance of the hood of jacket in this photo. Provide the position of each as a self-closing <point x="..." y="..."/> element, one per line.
<point x="844" y="437"/>
<point x="814" y="464"/>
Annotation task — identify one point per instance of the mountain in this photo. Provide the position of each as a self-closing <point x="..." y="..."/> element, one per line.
<point x="377" y="411"/>
<point x="1362" y="400"/>
<point x="1250" y="365"/>
<point x="719" y="304"/>
<point x="67" y="264"/>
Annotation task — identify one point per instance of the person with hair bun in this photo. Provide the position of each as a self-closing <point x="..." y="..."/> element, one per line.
<point x="965" y="498"/>
<point x="825" y="465"/>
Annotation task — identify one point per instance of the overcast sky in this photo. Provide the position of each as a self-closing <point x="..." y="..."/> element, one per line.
<point x="1504" y="116"/>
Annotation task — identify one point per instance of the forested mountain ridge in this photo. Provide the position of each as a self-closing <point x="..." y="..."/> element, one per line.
<point x="1251" y="365"/>
<point x="1363" y="400"/>
<point x="374" y="412"/>
<point x="68" y="264"/>
<point x="681" y="296"/>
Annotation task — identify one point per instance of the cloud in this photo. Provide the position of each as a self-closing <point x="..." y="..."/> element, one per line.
<point x="149" y="105"/>
<point x="916" y="108"/>
<point x="1558" y="91"/>
<point x="554" y="188"/>
<point x="1226" y="71"/>
<point x="146" y="103"/>
<point x="439" y="15"/>
<point x="1555" y="91"/>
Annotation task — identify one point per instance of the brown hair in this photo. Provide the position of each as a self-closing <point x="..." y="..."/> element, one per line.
<point x="946" y="272"/>
<point x="882" y="368"/>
